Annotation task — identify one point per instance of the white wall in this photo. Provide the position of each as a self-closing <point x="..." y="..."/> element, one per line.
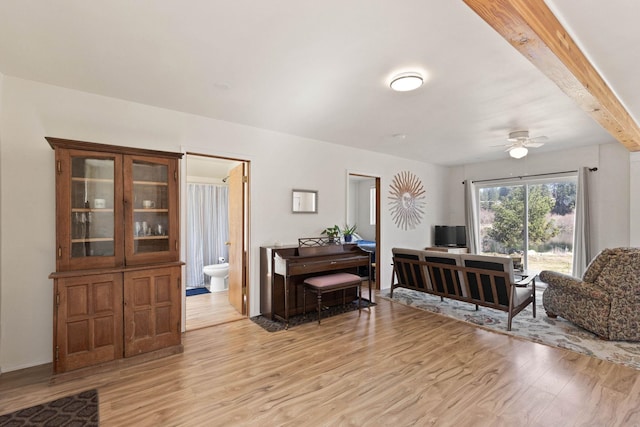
<point x="611" y="198"/>
<point x="31" y="111"/>
<point x="610" y="192"/>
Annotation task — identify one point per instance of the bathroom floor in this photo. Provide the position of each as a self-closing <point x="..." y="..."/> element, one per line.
<point x="209" y="310"/>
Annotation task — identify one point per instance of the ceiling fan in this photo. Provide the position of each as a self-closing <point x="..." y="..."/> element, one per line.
<point x="520" y="142"/>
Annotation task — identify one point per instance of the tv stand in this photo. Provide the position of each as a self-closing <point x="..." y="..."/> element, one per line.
<point x="450" y="249"/>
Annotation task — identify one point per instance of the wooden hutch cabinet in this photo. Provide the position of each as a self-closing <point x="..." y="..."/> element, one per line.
<point x="117" y="280"/>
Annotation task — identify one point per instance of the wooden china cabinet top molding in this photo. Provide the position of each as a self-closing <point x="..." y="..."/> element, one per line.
<point x="531" y="27"/>
<point x="94" y="146"/>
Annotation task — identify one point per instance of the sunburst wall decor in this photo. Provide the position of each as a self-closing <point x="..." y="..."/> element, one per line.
<point x="407" y="200"/>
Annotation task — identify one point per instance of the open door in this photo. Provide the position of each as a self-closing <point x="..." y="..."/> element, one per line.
<point x="237" y="278"/>
<point x="363" y="209"/>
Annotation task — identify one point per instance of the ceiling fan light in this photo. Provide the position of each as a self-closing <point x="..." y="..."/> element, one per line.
<point x="406" y="81"/>
<point x="518" y="152"/>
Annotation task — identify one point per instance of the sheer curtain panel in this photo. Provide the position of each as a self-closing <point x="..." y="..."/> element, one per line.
<point x="207" y="229"/>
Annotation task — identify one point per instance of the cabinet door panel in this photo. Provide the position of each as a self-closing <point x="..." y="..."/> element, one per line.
<point x="89" y="211"/>
<point x="88" y="321"/>
<point x="151" y="215"/>
<point x="152" y="309"/>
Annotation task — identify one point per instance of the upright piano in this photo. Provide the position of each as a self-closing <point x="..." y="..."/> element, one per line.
<point x="284" y="268"/>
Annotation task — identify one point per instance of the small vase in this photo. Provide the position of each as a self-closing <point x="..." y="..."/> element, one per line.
<point x="347" y="238"/>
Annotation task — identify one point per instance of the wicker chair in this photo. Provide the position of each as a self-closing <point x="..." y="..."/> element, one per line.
<point x="607" y="299"/>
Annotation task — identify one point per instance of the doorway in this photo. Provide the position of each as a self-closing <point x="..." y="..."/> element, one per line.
<point x="215" y="240"/>
<point x="363" y="210"/>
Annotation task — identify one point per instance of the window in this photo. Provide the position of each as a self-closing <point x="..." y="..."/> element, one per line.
<point x="372" y="206"/>
<point x="532" y="221"/>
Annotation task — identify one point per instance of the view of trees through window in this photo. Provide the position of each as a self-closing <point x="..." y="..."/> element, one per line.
<point x="545" y="240"/>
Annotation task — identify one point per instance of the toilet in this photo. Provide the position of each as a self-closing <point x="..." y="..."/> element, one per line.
<point x="219" y="274"/>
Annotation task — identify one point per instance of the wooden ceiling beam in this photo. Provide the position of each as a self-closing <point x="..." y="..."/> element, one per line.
<point x="531" y="27"/>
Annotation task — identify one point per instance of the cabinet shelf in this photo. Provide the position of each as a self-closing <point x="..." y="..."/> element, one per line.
<point x="153" y="183"/>
<point x="104" y="180"/>
<point x="151" y="238"/>
<point x="94" y="210"/>
<point x="152" y="210"/>
<point x="93" y="239"/>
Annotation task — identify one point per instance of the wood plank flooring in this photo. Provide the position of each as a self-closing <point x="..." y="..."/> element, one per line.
<point x="209" y="309"/>
<point x="393" y="365"/>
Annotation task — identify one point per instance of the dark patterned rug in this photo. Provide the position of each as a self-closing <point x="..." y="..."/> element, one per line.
<point x="80" y="410"/>
<point x="299" y="319"/>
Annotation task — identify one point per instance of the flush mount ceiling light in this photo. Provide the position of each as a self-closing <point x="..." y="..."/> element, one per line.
<point x="406" y="81"/>
<point x="518" y="152"/>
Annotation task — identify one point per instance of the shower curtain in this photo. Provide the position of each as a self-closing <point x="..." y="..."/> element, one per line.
<point x="207" y="229"/>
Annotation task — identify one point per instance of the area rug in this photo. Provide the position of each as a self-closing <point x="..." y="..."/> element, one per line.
<point x="553" y="332"/>
<point x="197" y="291"/>
<point x="299" y="319"/>
<point x="74" y="411"/>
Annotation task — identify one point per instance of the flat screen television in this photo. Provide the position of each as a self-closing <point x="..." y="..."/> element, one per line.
<point x="451" y="235"/>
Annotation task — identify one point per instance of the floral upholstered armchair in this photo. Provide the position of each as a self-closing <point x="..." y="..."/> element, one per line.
<point x="607" y="299"/>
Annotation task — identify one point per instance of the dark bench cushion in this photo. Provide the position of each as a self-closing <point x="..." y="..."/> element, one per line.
<point x="330" y="282"/>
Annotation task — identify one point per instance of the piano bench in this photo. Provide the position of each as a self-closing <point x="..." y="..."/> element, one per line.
<point x="329" y="283"/>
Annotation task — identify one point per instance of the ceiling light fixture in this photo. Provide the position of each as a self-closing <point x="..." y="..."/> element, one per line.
<point x="406" y="81"/>
<point x="518" y="152"/>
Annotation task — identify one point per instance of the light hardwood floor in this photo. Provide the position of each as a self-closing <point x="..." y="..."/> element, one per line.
<point x="209" y="310"/>
<point x="393" y="365"/>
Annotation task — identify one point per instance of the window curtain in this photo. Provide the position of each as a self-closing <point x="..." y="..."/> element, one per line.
<point x="581" y="235"/>
<point x="207" y="229"/>
<point x="471" y="216"/>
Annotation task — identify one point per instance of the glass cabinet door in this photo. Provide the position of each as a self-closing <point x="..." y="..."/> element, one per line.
<point x="150" y="184"/>
<point x="89" y="238"/>
<point x="92" y="221"/>
<point x="150" y="209"/>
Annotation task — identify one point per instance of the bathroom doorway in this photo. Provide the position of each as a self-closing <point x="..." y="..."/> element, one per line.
<point x="363" y="210"/>
<point x="215" y="239"/>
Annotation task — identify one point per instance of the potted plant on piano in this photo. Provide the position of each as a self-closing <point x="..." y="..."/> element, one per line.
<point x="348" y="232"/>
<point x="332" y="233"/>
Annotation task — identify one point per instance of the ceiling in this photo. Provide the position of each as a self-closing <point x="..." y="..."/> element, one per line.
<point x="321" y="70"/>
